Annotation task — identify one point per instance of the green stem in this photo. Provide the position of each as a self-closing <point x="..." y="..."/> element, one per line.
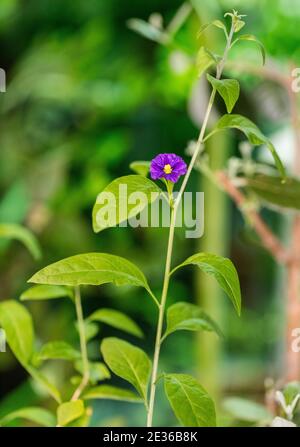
<point x="83" y="347"/>
<point x="174" y="209"/>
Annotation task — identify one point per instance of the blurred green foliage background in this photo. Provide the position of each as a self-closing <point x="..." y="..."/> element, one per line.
<point x="85" y="97"/>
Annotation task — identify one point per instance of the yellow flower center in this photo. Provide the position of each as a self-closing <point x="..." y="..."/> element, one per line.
<point x="167" y="169"/>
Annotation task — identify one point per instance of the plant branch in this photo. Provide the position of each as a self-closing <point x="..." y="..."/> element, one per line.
<point x="83" y="347"/>
<point x="268" y="238"/>
<point x="174" y="208"/>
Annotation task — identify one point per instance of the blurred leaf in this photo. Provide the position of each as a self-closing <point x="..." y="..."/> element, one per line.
<point x="291" y="391"/>
<point x="129" y="362"/>
<point x="112" y="208"/>
<point x="42" y="380"/>
<point x="204" y="60"/>
<point x="229" y="89"/>
<point x="271" y="189"/>
<point x="147" y="30"/>
<point x="98" y="371"/>
<point x="15" y="231"/>
<point x="140" y="167"/>
<point x="69" y="411"/>
<point x="33" y="414"/>
<point x="252" y="38"/>
<point x="281" y="422"/>
<point x="238" y="25"/>
<point x="112" y="393"/>
<point x="45" y="292"/>
<point x="91" y="329"/>
<point x="117" y="320"/>
<point x="246" y="410"/>
<point x="223" y="270"/>
<point x="216" y="23"/>
<point x="59" y="350"/>
<point x="17" y="323"/>
<point x="190" y="402"/>
<point x="188" y="317"/>
<point x="251" y="131"/>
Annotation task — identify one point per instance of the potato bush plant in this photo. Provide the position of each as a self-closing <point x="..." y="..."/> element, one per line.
<point x="190" y="402"/>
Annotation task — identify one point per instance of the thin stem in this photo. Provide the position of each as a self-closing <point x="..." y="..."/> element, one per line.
<point x="174" y="209"/>
<point x="83" y="348"/>
<point x="161" y="319"/>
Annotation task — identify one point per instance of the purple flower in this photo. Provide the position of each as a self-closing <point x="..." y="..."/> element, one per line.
<point x="167" y="166"/>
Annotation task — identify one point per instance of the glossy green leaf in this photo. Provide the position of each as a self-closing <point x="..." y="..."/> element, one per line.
<point x="112" y="393"/>
<point x="188" y="317"/>
<point x="246" y="410"/>
<point x="129" y="362"/>
<point x="117" y="320"/>
<point x="251" y="38"/>
<point x="59" y="350"/>
<point x="251" y="131"/>
<point x="112" y="207"/>
<point x="36" y="415"/>
<point x="98" y="371"/>
<point x="93" y="269"/>
<point x="204" y="60"/>
<point x="69" y="411"/>
<point x="15" y="231"/>
<point x="223" y="270"/>
<point x="271" y="189"/>
<point x="191" y="404"/>
<point x="140" y="167"/>
<point x="229" y="90"/>
<point x="17" y="323"/>
<point x="45" y="292"/>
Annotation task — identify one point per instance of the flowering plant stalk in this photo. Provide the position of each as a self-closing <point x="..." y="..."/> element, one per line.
<point x="189" y="401"/>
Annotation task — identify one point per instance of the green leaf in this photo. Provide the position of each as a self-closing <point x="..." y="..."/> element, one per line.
<point x="93" y="269"/>
<point x="290" y="391"/>
<point x="69" y="411"/>
<point x="238" y="25"/>
<point x="15" y="231"/>
<point x="191" y="404"/>
<point x="229" y="89"/>
<point x="17" y="323"/>
<point x="251" y="38"/>
<point x="44" y="382"/>
<point x="271" y="189"/>
<point x="204" y="60"/>
<point x="129" y="362"/>
<point x="44" y="292"/>
<point x="223" y="270"/>
<point x="37" y="415"/>
<point x="112" y="207"/>
<point x="140" y="167"/>
<point x="59" y="350"/>
<point x="112" y="393"/>
<point x="147" y="30"/>
<point x="188" y="317"/>
<point x="216" y="23"/>
<point x="246" y="410"/>
<point x="98" y="371"/>
<point x="117" y="320"/>
<point x="251" y="131"/>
